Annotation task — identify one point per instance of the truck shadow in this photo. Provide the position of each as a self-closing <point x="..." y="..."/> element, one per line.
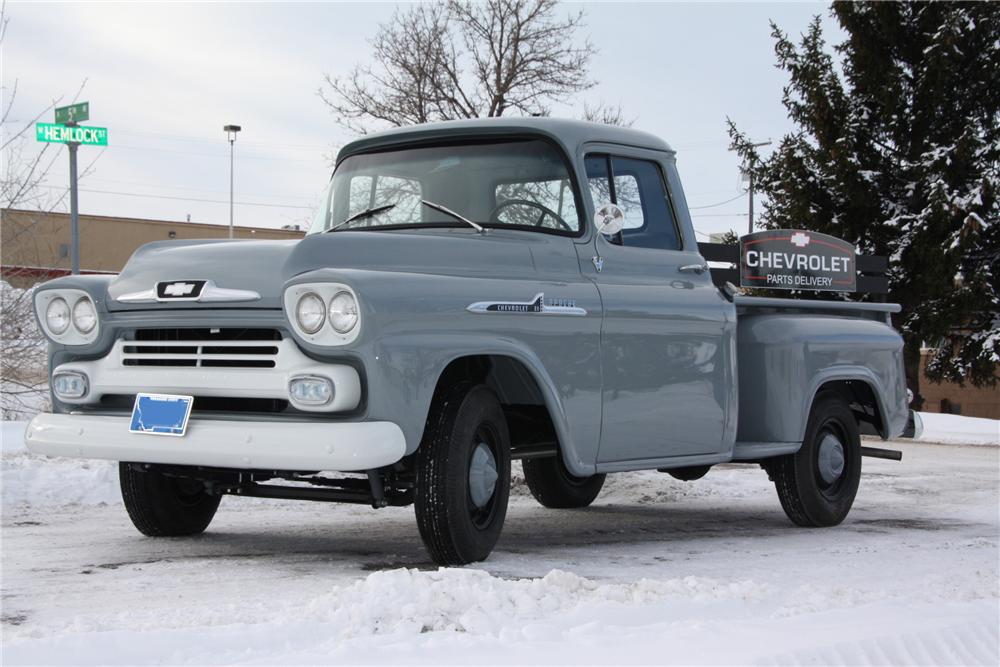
<point x="310" y="542"/>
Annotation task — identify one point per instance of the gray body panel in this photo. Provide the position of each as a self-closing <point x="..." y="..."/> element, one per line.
<point x="660" y="371"/>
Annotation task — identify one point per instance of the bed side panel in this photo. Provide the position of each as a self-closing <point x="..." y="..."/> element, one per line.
<point x="784" y="358"/>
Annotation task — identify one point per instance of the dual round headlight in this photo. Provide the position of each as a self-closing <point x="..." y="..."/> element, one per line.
<point x="311" y="312"/>
<point x="59" y="316"/>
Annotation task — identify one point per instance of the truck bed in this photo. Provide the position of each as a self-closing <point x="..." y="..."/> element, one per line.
<point x="788" y="350"/>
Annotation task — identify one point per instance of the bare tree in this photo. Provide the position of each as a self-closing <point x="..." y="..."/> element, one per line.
<point x="463" y="59"/>
<point x="23" y="171"/>
<point x="607" y="114"/>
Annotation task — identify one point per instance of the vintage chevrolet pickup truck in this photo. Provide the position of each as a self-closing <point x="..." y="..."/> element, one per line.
<point x="470" y="293"/>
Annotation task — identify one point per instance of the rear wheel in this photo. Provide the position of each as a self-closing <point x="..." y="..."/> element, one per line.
<point x="817" y="484"/>
<point x="164" y="506"/>
<point x="463" y="475"/>
<point x="554" y="486"/>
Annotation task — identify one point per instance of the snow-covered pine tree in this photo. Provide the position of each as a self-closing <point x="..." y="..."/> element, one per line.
<point x="897" y="149"/>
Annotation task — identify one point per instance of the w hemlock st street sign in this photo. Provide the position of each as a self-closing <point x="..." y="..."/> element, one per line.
<point x="86" y="136"/>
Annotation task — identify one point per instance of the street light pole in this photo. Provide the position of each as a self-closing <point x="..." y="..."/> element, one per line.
<point x="231" y="131"/>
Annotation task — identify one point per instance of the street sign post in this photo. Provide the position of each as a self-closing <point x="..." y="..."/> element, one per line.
<point x="74" y="113"/>
<point x="66" y="131"/>
<point x="76" y="134"/>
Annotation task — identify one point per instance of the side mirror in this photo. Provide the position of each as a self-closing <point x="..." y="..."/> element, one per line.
<point x="609" y="220"/>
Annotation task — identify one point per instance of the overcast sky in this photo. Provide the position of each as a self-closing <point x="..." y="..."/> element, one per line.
<point x="165" y="78"/>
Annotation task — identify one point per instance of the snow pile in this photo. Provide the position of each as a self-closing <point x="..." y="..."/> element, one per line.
<point x="408" y="601"/>
<point x="27" y="479"/>
<point x="959" y="430"/>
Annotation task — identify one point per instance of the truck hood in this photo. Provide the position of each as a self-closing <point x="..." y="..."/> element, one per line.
<point x="255" y="266"/>
<point x="265" y="267"/>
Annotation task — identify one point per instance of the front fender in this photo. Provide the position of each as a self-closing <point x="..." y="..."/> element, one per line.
<point x="410" y="366"/>
<point x="414" y="325"/>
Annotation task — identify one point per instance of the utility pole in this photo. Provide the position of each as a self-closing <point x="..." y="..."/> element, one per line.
<point x="750" y="187"/>
<point x="231" y="131"/>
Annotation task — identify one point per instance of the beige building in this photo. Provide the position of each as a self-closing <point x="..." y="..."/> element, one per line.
<point x="951" y="398"/>
<point x="35" y="245"/>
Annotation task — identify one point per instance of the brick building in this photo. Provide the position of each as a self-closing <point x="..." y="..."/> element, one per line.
<point x="35" y="245"/>
<point x="951" y="398"/>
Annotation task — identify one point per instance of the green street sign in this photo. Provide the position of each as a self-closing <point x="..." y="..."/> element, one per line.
<point x="85" y="136"/>
<point x="74" y="113"/>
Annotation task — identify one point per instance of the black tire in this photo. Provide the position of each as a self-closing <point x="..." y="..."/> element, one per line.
<point x="553" y="486"/>
<point x="808" y="498"/>
<point x="688" y="474"/>
<point x="456" y="528"/>
<point x="165" y="506"/>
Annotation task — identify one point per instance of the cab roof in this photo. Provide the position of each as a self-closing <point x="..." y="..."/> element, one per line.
<point x="569" y="133"/>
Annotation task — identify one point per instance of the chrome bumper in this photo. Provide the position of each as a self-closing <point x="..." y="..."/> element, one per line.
<point x="349" y="446"/>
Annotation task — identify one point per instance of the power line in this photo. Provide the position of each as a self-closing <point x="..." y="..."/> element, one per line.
<point x="193" y="138"/>
<point x="742" y="194"/>
<point x="195" y="199"/>
<point x="182" y="187"/>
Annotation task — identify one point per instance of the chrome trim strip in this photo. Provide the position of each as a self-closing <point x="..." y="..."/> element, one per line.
<point x="210" y="293"/>
<point x="148" y="295"/>
<point x="536" y="306"/>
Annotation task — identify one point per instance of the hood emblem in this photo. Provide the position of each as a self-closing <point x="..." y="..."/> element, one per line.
<point x="180" y="289"/>
<point x="538" y="305"/>
<point x="188" y="290"/>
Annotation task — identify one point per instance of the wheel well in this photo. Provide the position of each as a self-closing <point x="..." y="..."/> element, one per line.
<point x="860" y="396"/>
<point x="532" y="430"/>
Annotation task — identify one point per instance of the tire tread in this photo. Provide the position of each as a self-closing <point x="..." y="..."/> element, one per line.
<point x="154" y="513"/>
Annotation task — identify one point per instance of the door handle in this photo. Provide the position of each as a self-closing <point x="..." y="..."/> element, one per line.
<point x="694" y="268"/>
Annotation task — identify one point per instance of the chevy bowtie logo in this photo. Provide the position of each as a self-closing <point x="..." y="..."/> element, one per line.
<point x="178" y="289"/>
<point x="799" y="239"/>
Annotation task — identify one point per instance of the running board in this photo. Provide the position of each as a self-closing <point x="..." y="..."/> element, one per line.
<point x="879" y="453"/>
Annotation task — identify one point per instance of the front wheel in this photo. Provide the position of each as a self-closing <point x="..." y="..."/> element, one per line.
<point x="463" y="475"/>
<point x="164" y="505"/>
<point x="817" y="484"/>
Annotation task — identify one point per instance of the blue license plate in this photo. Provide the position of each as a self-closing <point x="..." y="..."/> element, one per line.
<point x="161" y="414"/>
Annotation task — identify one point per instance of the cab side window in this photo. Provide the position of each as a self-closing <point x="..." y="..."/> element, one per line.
<point x="637" y="188"/>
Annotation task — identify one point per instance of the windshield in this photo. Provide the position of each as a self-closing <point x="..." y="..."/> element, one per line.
<point x="522" y="184"/>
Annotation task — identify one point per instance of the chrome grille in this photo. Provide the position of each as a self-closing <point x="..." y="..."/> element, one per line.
<point x="202" y="348"/>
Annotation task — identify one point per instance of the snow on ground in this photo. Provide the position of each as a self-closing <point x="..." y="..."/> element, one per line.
<point x="959" y="430"/>
<point x="657" y="571"/>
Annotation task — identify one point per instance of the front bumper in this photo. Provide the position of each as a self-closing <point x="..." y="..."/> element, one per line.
<point x="345" y="447"/>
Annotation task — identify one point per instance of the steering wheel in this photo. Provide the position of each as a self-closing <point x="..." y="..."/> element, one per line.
<point x="545" y="211"/>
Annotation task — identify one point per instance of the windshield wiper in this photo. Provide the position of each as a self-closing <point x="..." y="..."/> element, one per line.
<point x="361" y="214"/>
<point x="447" y="211"/>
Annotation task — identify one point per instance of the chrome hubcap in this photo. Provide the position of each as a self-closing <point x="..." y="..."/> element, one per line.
<point x="831" y="458"/>
<point x="482" y="475"/>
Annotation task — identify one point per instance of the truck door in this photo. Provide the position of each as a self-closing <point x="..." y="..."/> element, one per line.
<point x="667" y="333"/>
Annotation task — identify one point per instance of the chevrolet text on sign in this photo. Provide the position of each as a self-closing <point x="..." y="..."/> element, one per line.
<point x="88" y="136"/>
<point x="797" y="259"/>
